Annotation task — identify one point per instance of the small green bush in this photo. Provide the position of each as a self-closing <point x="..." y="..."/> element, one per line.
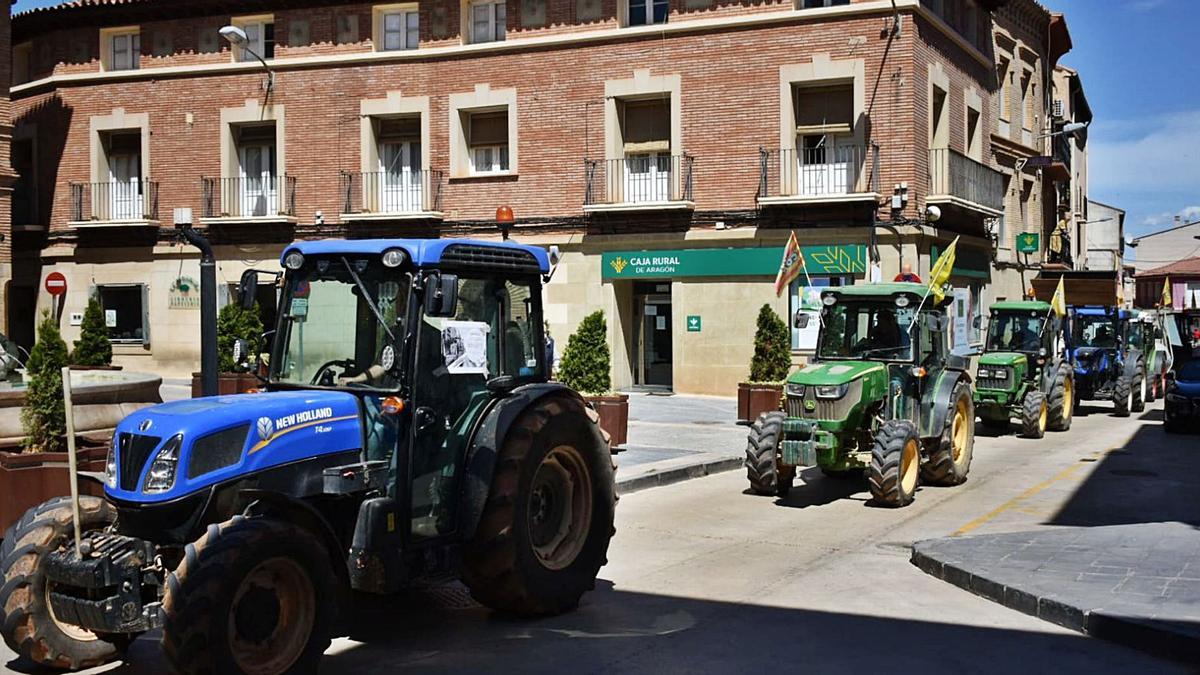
<point x="92" y="348"/>
<point x="772" y="348"/>
<point x="586" y="361"/>
<point x="43" y="416"/>
<point x="235" y="323"/>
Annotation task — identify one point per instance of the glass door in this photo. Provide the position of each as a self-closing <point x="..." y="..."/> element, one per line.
<point x="400" y="174"/>
<point x="647" y="177"/>
<point x="653" y="341"/>
<point x="125" y="188"/>
<point x="258" y="193"/>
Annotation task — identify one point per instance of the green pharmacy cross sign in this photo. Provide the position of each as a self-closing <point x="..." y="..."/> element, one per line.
<point x="1029" y="242"/>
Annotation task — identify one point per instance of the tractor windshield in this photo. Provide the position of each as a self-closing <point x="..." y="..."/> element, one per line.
<point x="1094" y="331"/>
<point x="338" y="322"/>
<point x="1010" y="332"/>
<point x="876" y="330"/>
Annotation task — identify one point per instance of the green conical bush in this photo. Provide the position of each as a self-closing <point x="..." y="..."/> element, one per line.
<point x="92" y="348"/>
<point x="772" y="348"/>
<point x="43" y="416"/>
<point x="233" y="323"/>
<point x="586" y="361"/>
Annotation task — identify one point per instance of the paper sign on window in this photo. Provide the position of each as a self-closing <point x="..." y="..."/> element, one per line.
<point x="110" y="318"/>
<point x="464" y="347"/>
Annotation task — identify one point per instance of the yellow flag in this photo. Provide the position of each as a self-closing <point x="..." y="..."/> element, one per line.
<point x="1166" y="293"/>
<point x="1059" y="302"/>
<point x="791" y="266"/>
<point x="940" y="274"/>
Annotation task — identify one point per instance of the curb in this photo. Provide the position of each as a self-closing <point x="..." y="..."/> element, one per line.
<point x="1158" y="638"/>
<point x="678" y="474"/>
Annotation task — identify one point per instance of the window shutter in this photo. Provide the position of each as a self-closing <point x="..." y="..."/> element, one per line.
<point x="488" y="129"/>
<point x="145" y="314"/>
<point x="647" y="126"/>
<point x="398" y="128"/>
<point x="824" y="107"/>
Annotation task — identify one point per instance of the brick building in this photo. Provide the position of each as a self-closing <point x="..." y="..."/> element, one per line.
<point x="667" y="146"/>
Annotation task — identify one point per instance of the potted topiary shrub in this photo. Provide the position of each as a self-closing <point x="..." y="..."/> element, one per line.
<point x="234" y="323"/>
<point x="768" y="368"/>
<point x="585" y="367"/>
<point x="92" y="349"/>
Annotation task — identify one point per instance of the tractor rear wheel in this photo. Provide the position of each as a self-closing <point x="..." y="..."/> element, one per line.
<point x="252" y="595"/>
<point x="895" y="464"/>
<point x="1122" y="397"/>
<point x="1062" y="399"/>
<point x="762" y="450"/>
<point x="545" y="528"/>
<point x="1138" y="402"/>
<point x="1152" y="389"/>
<point x="1035" y="412"/>
<point x="951" y="460"/>
<point x="26" y="619"/>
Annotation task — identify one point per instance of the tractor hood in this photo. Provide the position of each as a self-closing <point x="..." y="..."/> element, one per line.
<point x="836" y="372"/>
<point x="217" y="438"/>
<point x="1003" y="359"/>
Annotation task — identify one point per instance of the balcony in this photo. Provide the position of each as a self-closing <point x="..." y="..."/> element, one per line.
<point x="248" y="199"/>
<point x="959" y="181"/>
<point x="116" y="204"/>
<point x="641" y="182"/>
<point x="837" y="174"/>
<point x="391" y="195"/>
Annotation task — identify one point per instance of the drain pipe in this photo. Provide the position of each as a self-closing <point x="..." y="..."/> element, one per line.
<point x="208" y="301"/>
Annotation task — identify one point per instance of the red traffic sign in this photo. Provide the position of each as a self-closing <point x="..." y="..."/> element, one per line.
<point x="56" y="283"/>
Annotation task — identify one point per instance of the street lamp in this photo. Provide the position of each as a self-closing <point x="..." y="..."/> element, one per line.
<point x="1069" y="129"/>
<point x="238" y="38"/>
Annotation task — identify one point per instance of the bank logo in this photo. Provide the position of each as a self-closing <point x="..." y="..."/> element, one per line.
<point x="266" y="428"/>
<point x="145" y="425"/>
<point x="619" y="264"/>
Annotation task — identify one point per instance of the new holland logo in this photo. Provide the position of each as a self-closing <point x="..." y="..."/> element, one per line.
<point x="145" y="425"/>
<point x="619" y="264"/>
<point x="266" y="428"/>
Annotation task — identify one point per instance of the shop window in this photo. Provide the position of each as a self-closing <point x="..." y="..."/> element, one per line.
<point x="126" y="312"/>
<point x="646" y="12"/>
<point x="805" y="297"/>
<point x="487" y="21"/>
<point x="487" y="141"/>
<point x="121" y="48"/>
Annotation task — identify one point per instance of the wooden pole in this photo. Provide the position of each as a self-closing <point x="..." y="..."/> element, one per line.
<point x="72" y="464"/>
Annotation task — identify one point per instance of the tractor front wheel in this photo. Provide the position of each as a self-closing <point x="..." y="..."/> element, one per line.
<point x="545" y="528"/>
<point x="1122" y="397"/>
<point x="26" y="618"/>
<point x="1062" y="399"/>
<point x="951" y="460"/>
<point x="252" y="595"/>
<point x="1035" y="412"/>
<point x="895" y="464"/>
<point x="762" y="450"/>
<point x="1138" y="390"/>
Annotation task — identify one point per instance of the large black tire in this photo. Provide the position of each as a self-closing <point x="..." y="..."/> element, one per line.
<point x="1122" y="397"/>
<point x="1062" y="399"/>
<point x="1137" y="402"/>
<point x="951" y="460"/>
<point x="1152" y="388"/>
<point x="245" y="574"/>
<point x="524" y="559"/>
<point x="895" y="464"/>
<point x="26" y="621"/>
<point x="762" y="450"/>
<point x="1035" y="412"/>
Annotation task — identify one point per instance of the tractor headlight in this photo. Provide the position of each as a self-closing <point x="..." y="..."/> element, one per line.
<point x="110" y="465"/>
<point x="831" y="391"/>
<point x="794" y="389"/>
<point x="984" y="373"/>
<point x="394" y="257"/>
<point x="161" y="476"/>
<point x="294" y="260"/>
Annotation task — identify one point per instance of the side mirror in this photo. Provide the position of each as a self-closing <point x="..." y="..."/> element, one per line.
<point x="936" y="323"/>
<point x="241" y="355"/>
<point x="801" y="319"/>
<point x="977" y="322"/>
<point x="248" y="289"/>
<point x="441" y="294"/>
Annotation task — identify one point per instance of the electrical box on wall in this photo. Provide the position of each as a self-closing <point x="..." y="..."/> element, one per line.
<point x="76" y="319"/>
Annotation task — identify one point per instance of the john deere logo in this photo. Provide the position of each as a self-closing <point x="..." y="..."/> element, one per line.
<point x="810" y="405"/>
<point x="619" y="264"/>
<point x="265" y="428"/>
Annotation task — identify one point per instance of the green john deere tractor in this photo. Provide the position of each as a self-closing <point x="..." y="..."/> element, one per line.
<point x="1024" y="371"/>
<point x="882" y="394"/>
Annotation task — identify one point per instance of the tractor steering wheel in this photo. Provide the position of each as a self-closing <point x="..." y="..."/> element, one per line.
<point x="324" y="376"/>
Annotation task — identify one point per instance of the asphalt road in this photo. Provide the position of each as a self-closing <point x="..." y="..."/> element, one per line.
<point x="705" y="578"/>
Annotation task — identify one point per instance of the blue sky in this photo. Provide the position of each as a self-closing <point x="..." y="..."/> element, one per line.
<point x="1142" y="77"/>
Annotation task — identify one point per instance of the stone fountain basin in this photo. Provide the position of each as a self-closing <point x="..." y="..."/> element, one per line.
<point x="101" y="399"/>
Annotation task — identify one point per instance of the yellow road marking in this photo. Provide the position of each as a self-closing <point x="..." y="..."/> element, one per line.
<point x="1015" y="501"/>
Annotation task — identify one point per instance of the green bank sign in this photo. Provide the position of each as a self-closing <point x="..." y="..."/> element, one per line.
<point x="730" y="262"/>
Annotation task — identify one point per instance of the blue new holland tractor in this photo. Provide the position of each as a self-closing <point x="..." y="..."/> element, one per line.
<point x="1109" y="365"/>
<point x="405" y="431"/>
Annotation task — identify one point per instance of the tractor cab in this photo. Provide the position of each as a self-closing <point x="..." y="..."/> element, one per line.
<point x="1098" y="338"/>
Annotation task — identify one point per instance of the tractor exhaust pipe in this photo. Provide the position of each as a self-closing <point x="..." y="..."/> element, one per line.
<point x="208" y="301"/>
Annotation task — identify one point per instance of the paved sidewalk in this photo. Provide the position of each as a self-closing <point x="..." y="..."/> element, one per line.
<point x="1138" y="585"/>
<point x="677" y="437"/>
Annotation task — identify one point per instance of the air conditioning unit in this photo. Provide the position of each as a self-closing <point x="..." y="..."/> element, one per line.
<point x="1056" y="110"/>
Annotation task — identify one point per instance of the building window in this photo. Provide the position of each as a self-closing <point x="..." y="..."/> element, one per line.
<point x="1027" y="97"/>
<point x="974" y="140"/>
<point x="120" y="198"/>
<point x="813" y="4"/>
<point x="21" y="56"/>
<point x="126" y="312"/>
<point x="121" y="48"/>
<point x="939" y="119"/>
<point x="487" y="141"/>
<point x="803" y="297"/>
<point x="1002" y="74"/>
<point x="260" y="38"/>
<point x="645" y="12"/>
<point x="488" y="22"/>
<point x="257" y="190"/>
<point x="397" y="187"/>
<point x="398" y="29"/>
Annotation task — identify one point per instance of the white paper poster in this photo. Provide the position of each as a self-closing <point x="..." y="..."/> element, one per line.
<point x="464" y="347"/>
<point x="110" y="318"/>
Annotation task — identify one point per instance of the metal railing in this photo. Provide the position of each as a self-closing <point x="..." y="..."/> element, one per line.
<point x="638" y="179"/>
<point x="954" y="174"/>
<point x="818" y="172"/>
<point x="391" y="192"/>
<point x="248" y="197"/>
<point x="114" y="201"/>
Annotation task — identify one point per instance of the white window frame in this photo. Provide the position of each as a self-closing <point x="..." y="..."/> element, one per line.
<point x="144" y="292"/>
<point x="131" y="52"/>
<point x="497" y="20"/>
<point x="255" y="28"/>
<point x="400" y="183"/>
<point x="649" y="13"/>
<point x="409" y="36"/>
<point x="499" y="163"/>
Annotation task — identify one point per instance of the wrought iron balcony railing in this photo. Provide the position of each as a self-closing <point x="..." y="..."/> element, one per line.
<point x="248" y="197"/>
<point x="836" y="170"/>
<point x="644" y="178"/>
<point x="114" y="201"/>
<point x="391" y="192"/>
<point x="954" y="175"/>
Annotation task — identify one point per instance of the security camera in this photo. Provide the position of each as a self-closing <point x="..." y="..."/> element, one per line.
<point x="933" y="214"/>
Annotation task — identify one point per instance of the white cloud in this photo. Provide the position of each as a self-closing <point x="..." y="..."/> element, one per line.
<point x="1187" y="214"/>
<point x="1152" y="155"/>
<point x="1145" y="5"/>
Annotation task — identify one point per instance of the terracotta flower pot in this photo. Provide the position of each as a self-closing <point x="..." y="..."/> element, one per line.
<point x="756" y="399"/>
<point x="614" y="416"/>
<point x="29" y="479"/>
